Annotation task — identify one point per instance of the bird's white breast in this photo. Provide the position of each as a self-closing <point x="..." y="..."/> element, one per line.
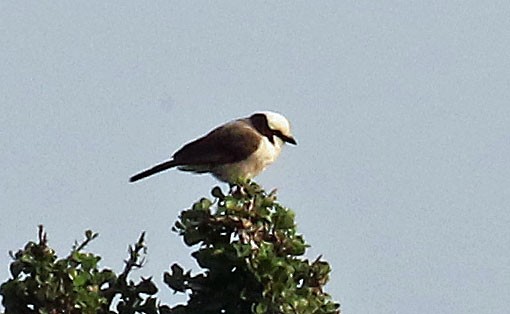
<point x="250" y="167"/>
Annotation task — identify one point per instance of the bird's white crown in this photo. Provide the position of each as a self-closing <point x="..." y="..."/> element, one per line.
<point x="277" y="122"/>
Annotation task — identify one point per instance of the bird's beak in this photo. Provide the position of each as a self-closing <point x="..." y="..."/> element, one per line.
<point x="289" y="139"/>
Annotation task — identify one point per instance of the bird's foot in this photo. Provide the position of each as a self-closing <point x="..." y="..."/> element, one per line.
<point x="237" y="190"/>
<point x="239" y="187"/>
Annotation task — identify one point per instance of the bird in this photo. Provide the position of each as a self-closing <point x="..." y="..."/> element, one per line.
<point x="234" y="152"/>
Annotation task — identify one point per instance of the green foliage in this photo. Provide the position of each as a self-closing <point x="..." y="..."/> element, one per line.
<point x="43" y="284"/>
<point x="246" y="243"/>
<point x="251" y="253"/>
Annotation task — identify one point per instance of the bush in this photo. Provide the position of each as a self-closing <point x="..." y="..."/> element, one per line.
<point x="246" y="243"/>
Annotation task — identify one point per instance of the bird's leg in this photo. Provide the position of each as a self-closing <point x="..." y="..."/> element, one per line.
<point x="237" y="190"/>
<point x="231" y="188"/>
<point x="239" y="186"/>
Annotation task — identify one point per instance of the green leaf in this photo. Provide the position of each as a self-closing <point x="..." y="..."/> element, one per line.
<point x="16" y="268"/>
<point x="231" y="204"/>
<point x="261" y="308"/>
<point x="242" y="250"/>
<point x="79" y="279"/>
<point x="284" y="219"/>
<point x="175" y="279"/>
<point x="206" y="203"/>
<point x="192" y="237"/>
<point x="216" y="192"/>
<point x="147" y="287"/>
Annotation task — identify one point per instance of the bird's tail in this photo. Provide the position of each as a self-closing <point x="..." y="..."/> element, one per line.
<point x="157" y="168"/>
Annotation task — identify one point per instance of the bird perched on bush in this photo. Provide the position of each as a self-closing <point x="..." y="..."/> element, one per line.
<point x="235" y="151"/>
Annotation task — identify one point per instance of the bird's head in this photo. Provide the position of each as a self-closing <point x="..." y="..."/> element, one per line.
<point x="274" y="126"/>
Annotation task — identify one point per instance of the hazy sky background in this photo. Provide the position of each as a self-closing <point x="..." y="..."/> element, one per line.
<point x="401" y="178"/>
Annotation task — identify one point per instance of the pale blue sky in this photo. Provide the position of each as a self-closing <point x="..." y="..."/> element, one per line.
<point x="401" y="178"/>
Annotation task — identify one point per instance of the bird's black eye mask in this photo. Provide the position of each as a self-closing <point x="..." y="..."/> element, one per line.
<point x="285" y="138"/>
<point x="259" y="121"/>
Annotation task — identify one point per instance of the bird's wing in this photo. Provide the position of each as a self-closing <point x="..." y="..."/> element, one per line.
<point x="229" y="143"/>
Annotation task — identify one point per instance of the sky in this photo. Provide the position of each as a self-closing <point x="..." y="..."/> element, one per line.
<point x="401" y="110"/>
